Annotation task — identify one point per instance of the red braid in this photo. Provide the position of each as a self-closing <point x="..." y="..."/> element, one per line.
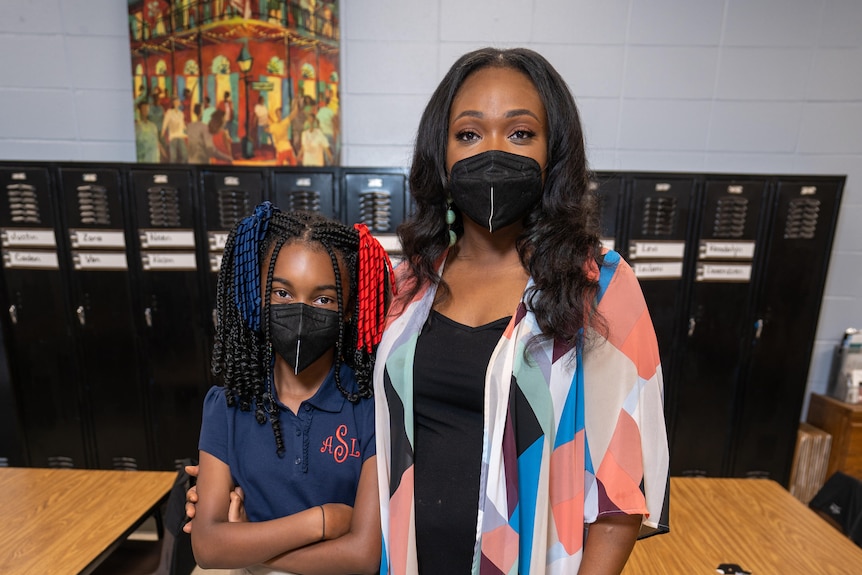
<point x="374" y="265"/>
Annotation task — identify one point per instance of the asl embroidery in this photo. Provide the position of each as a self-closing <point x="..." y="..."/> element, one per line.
<point x="340" y="446"/>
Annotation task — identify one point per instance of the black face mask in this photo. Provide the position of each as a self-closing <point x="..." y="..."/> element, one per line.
<point x="494" y="188"/>
<point x="301" y="333"/>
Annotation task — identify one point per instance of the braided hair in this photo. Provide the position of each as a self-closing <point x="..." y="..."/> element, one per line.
<point x="243" y="354"/>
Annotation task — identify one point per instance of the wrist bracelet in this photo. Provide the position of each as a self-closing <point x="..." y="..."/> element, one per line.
<point x="323" y="514"/>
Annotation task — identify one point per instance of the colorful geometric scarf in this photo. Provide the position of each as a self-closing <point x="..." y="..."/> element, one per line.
<point x="569" y="434"/>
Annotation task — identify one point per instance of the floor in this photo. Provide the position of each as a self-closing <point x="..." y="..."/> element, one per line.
<point x="140" y="554"/>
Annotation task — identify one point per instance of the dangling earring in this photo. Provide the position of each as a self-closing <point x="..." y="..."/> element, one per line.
<point x="450" y="219"/>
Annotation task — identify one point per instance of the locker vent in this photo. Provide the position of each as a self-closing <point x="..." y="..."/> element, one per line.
<point x="375" y="209"/>
<point x="60" y="462"/>
<point x="93" y="205"/>
<point x="125" y="463"/>
<point x="730" y="214"/>
<point x="164" y="203"/>
<point x="659" y="216"/>
<point x="4" y="462"/>
<point x="23" y="206"/>
<point x="233" y="205"/>
<point x="802" y="217"/>
<point x="308" y="200"/>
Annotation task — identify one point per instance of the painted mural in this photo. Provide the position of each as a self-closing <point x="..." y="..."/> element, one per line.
<point x="236" y="81"/>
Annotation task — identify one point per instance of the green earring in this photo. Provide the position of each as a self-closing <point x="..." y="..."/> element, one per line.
<point x="450" y="219"/>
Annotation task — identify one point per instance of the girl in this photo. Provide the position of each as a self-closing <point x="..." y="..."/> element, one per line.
<point x="300" y="311"/>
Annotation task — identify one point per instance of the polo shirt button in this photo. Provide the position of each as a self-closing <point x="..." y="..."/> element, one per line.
<point x="298" y="460"/>
<point x="298" y="432"/>
<point x="307" y="408"/>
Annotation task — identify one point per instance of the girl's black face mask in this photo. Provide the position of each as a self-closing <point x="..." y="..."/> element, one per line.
<point x="495" y="188"/>
<point x="302" y="333"/>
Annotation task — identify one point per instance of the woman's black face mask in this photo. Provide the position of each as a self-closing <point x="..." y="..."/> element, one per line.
<point x="495" y="188"/>
<point x="302" y="333"/>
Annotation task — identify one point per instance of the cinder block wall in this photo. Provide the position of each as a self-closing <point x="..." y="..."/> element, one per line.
<point x="755" y="86"/>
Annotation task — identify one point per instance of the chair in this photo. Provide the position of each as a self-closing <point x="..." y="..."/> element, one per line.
<point x="840" y="502"/>
<point x="176" y="554"/>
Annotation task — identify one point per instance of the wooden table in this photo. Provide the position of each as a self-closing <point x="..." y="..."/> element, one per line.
<point x="754" y="523"/>
<point x="66" y="521"/>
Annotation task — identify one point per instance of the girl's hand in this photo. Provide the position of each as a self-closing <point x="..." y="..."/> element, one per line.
<point x="337" y="520"/>
<point x="236" y="511"/>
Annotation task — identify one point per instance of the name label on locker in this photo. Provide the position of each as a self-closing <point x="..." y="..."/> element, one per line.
<point x="389" y="242"/>
<point x="724" y="273"/>
<point x="112" y="261"/>
<point x="14" y="259"/>
<point x="656" y="250"/>
<point x="609" y="243"/>
<point x="215" y="262"/>
<point x="180" y="261"/>
<point x="11" y="237"/>
<point x="658" y="270"/>
<point x="97" y="239"/>
<point x="726" y="250"/>
<point x="167" y="239"/>
<point x="217" y="240"/>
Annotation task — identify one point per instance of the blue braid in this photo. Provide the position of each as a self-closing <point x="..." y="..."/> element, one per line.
<point x="250" y="232"/>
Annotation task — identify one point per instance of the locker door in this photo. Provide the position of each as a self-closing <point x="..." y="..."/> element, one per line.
<point x="712" y="347"/>
<point x="657" y="247"/>
<point x="377" y="198"/>
<point x="299" y="189"/>
<point x="95" y="212"/>
<point x="790" y="288"/>
<point x="225" y="198"/>
<point x="172" y="310"/>
<point x="41" y="351"/>
<point x="609" y="195"/>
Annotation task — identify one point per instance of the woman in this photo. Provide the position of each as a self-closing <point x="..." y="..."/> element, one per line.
<point x="517" y="385"/>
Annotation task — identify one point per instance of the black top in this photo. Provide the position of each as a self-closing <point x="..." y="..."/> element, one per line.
<point x="449" y="395"/>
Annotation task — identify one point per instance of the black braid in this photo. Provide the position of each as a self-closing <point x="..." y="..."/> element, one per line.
<point x="244" y="357"/>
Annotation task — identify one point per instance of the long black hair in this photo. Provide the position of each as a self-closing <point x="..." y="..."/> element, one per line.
<point x="560" y="243"/>
<point x="243" y="354"/>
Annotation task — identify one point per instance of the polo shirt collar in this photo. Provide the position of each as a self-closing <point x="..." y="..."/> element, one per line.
<point x="329" y="397"/>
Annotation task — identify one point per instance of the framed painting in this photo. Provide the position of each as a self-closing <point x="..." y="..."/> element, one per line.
<point x="246" y="82"/>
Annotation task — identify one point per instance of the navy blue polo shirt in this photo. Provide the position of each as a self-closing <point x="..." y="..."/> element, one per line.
<point x="325" y="443"/>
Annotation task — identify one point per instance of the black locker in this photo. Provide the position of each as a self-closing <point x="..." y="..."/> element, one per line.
<point x="11" y="441"/>
<point x="705" y="387"/>
<point x="171" y="310"/>
<point x="376" y="197"/>
<point x="781" y="333"/>
<point x="658" y="219"/>
<point x="41" y="351"/>
<point x="103" y="304"/>
<point x="225" y="198"/>
<point x="306" y="189"/>
<point x="608" y="189"/>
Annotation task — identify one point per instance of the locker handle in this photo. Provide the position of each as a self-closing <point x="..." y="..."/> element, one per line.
<point x="13" y="314"/>
<point x="81" y="317"/>
<point x="758" y="329"/>
<point x="691" y="324"/>
<point x="148" y="316"/>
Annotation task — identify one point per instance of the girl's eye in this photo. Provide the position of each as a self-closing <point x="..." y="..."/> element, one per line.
<point x="324" y="300"/>
<point x="281" y="293"/>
